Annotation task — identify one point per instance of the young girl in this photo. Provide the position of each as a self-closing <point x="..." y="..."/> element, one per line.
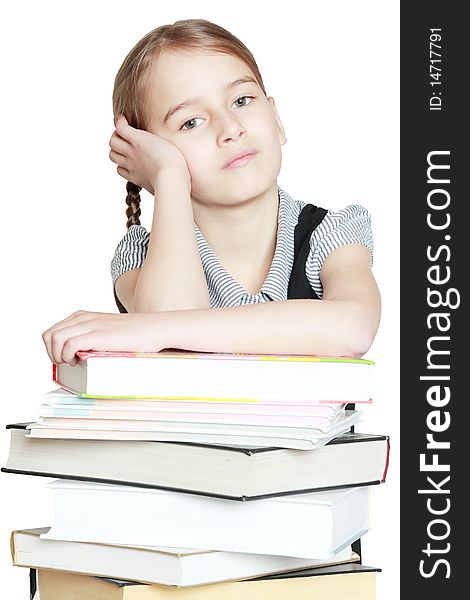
<point x="232" y="262"/>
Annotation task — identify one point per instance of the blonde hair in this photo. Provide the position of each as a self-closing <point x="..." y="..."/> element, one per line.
<point x="131" y="83"/>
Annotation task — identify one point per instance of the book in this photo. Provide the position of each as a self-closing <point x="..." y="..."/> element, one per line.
<point x="302" y="438"/>
<point x="103" y="418"/>
<point x="59" y="398"/>
<point x="180" y="567"/>
<point x="237" y="472"/>
<point x="232" y="377"/>
<point x="350" y="581"/>
<point x="314" y="414"/>
<point x="312" y="525"/>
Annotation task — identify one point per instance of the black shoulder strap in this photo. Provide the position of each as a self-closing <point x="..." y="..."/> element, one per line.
<point x="310" y="217"/>
<point x="121" y="307"/>
<point x="33" y="586"/>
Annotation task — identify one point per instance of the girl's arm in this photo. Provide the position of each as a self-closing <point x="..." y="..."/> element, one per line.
<point x="343" y="323"/>
<point x="172" y="277"/>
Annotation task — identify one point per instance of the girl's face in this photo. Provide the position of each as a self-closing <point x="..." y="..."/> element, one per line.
<point x="211" y="107"/>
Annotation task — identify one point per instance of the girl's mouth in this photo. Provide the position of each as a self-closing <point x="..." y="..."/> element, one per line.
<point x="240" y="159"/>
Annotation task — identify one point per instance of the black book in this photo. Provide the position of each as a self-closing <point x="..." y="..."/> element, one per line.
<point x="235" y="472"/>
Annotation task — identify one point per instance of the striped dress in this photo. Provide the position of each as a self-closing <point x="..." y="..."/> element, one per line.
<point x="350" y="225"/>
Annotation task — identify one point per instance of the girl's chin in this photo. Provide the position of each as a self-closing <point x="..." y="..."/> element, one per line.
<point x="231" y="192"/>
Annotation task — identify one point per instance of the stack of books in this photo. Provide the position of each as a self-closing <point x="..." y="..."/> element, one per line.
<point x="288" y="401"/>
<point x="200" y="476"/>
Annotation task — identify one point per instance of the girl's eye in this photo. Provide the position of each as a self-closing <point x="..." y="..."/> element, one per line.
<point x="191" y="123"/>
<point x="240" y="101"/>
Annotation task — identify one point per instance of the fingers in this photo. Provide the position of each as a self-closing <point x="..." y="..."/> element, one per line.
<point x="119" y="154"/>
<point x="119" y="118"/>
<point x="121" y="162"/>
<point x="60" y="339"/>
<point x="119" y="144"/>
<point x="54" y="336"/>
<point x="124" y="173"/>
<point x="123" y="128"/>
<point x="119" y="159"/>
<point x="73" y="344"/>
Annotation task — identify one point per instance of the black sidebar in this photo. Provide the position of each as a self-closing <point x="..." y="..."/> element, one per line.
<point x="435" y="257"/>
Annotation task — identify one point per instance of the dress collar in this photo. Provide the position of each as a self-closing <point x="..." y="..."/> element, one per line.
<point x="226" y="291"/>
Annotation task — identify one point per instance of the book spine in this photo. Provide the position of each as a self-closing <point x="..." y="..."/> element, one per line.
<point x="384" y="475"/>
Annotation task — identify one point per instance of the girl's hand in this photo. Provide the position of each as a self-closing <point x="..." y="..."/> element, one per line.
<point x="141" y="156"/>
<point x="83" y="330"/>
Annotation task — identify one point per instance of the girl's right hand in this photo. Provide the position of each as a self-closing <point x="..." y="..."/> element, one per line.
<point x="85" y="330"/>
<point x="142" y="156"/>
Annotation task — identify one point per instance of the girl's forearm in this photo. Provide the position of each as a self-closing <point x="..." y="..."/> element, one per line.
<point x="321" y="327"/>
<point x="172" y="277"/>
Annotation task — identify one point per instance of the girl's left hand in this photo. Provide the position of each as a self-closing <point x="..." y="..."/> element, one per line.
<point x="84" y="330"/>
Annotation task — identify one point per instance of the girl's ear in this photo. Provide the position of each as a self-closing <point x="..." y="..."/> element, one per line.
<point x="282" y="135"/>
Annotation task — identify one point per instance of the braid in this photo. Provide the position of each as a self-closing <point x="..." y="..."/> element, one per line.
<point x="133" y="204"/>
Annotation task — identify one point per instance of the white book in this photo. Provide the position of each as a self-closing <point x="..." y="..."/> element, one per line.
<point x="229" y="423"/>
<point x="321" y="417"/>
<point x="60" y="399"/>
<point x="300" y="438"/>
<point x="312" y="525"/>
<point x="208" y="375"/>
<point x="180" y="567"/>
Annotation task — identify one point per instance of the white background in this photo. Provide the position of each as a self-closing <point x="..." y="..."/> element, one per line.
<point x="333" y="69"/>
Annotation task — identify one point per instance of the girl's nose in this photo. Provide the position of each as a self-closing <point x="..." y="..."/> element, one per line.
<point x="230" y="128"/>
